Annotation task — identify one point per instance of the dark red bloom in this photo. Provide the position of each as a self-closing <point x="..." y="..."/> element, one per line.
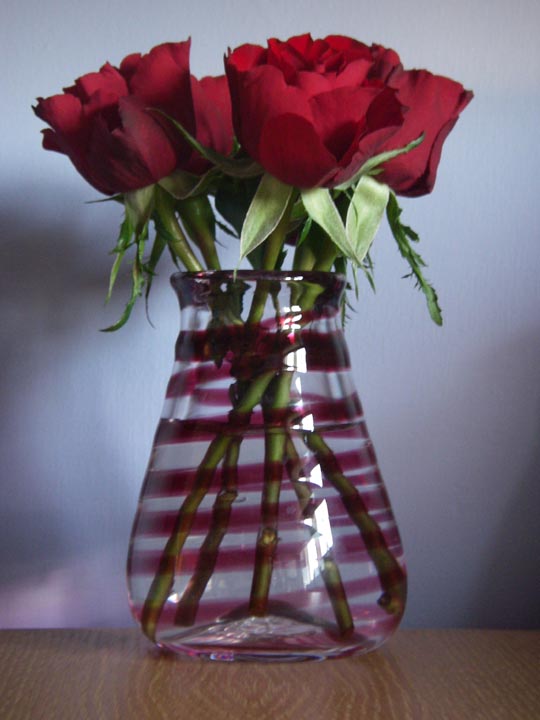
<point x="434" y="104"/>
<point x="213" y="119"/>
<point x="311" y="112"/>
<point x="106" y="122"/>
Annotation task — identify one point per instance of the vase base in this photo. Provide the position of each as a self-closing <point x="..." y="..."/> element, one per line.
<point x="270" y="638"/>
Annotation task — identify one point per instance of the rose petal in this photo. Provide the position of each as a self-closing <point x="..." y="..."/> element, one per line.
<point x="287" y="58"/>
<point x="108" y="80"/>
<point x="352" y="76"/>
<point x="213" y="118"/>
<point x="385" y="61"/>
<point x="162" y="80"/>
<point x="291" y="150"/>
<point x="259" y="95"/>
<point x="50" y="141"/>
<point x="339" y="114"/>
<point x="434" y="104"/>
<point x="353" y="49"/>
<point x="100" y="102"/>
<point x="369" y="145"/>
<point x="246" y="57"/>
<point x="300" y="43"/>
<point x="290" y="56"/>
<point x="146" y="139"/>
<point x="114" y="162"/>
<point x="62" y="112"/>
<point x="384" y="118"/>
<point x="129" y="65"/>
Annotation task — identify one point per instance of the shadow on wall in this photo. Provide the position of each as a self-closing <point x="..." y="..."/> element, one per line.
<point x="65" y="513"/>
<point x="508" y="589"/>
<point x="474" y="543"/>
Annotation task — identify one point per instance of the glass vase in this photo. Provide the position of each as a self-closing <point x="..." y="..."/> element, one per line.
<point x="264" y="530"/>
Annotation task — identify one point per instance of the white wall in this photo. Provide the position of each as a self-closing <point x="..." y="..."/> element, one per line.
<point x="454" y="413"/>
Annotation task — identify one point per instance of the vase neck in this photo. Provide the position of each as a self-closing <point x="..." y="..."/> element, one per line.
<point x="262" y="330"/>
<point x="275" y="300"/>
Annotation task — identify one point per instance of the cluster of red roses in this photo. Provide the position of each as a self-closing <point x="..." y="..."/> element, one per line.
<point x="306" y="141"/>
<point x="310" y="112"/>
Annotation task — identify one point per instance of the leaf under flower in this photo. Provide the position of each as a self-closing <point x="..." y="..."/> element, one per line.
<point x="182" y="185"/>
<point x="373" y="165"/>
<point x="321" y="208"/>
<point x="237" y="167"/>
<point x="137" y="281"/>
<point x="402" y="234"/>
<point x="265" y="212"/>
<point x="365" y="214"/>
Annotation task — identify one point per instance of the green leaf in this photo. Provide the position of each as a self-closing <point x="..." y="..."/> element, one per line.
<point x="237" y="167"/>
<point x="114" y="274"/>
<point x="265" y="212"/>
<point x="305" y="231"/>
<point x="125" y="240"/>
<point x="340" y="265"/>
<point x="227" y="230"/>
<point x="298" y="212"/>
<point x="321" y="208"/>
<point x="160" y="243"/>
<point x="139" y="205"/>
<point x="364" y="215"/>
<point x="162" y="228"/>
<point x="113" y="198"/>
<point x="182" y="185"/>
<point x="371" y="280"/>
<point x="372" y="166"/>
<point x="137" y="283"/>
<point x="367" y="267"/>
<point x="233" y="198"/>
<point x="402" y="234"/>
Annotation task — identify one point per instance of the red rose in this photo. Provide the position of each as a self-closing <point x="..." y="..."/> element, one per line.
<point x="213" y="119"/>
<point x="312" y="112"/>
<point x="434" y="104"/>
<point x="105" y="123"/>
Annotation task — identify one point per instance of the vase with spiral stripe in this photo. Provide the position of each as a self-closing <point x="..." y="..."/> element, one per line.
<point x="264" y="530"/>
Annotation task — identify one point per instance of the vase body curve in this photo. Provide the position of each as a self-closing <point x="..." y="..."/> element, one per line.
<point x="264" y="530"/>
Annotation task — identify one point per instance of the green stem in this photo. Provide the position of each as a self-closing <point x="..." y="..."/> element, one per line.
<point x="274" y="243"/>
<point x="304" y="257"/>
<point x="391" y="575"/>
<point x="328" y="252"/>
<point x="329" y="568"/>
<point x="199" y="221"/>
<point x="167" y="224"/>
<point x="164" y="578"/>
<point x="163" y="581"/>
<point x="317" y="252"/>
<point x="188" y="605"/>
<point x="267" y="541"/>
<point x="338" y="597"/>
<point x="273" y="246"/>
<point x="294" y="469"/>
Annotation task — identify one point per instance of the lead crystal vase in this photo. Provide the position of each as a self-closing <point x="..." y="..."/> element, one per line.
<point x="264" y="530"/>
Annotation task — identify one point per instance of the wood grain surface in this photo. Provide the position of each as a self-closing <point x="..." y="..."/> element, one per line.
<point x="419" y="674"/>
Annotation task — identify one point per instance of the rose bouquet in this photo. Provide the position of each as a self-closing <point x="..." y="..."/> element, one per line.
<point x="298" y="152"/>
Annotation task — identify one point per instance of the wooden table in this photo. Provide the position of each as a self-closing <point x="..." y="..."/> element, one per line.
<point x="419" y="674"/>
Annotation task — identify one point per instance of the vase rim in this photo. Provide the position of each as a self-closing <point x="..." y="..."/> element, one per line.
<point x="319" y="276"/>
